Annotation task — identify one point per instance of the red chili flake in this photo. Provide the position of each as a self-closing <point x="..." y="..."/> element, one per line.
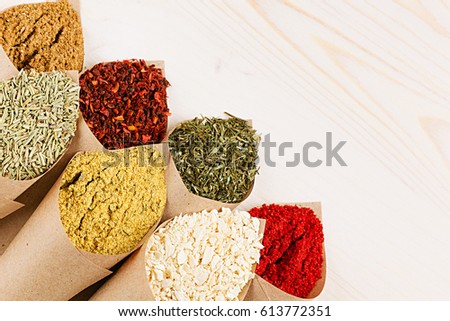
<point x="124" y="103"/>
<point x="292" y="256"/>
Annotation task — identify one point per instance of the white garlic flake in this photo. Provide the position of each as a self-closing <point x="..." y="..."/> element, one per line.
<point x="205" y="256"/>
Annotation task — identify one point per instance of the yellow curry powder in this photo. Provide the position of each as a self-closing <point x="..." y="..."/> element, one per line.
<point x="43" y="36"/>
<point x="108" y="201"/>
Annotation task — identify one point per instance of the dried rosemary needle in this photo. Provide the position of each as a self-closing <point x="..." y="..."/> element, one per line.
<point x="216" y="157"/>
<point x="38" y="116"/>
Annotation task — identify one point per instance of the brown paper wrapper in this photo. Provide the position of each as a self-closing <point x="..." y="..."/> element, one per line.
<point x="181" y="200"/>
<point x="130" y="282"/>
<point x="261" y="290"/>
<point x="41" y="263"/>
<point x="10" y="189"/>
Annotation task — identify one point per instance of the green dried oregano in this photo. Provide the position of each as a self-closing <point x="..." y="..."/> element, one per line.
<point x="216" y="158"/>
<point x="38" y="118"/>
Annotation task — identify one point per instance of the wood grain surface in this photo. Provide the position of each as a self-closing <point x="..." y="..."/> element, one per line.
<point x="374" y="73"/>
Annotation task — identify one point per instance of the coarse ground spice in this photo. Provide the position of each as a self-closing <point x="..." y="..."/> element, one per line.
<point x="109" y="201"/>
<point x="43" y="36"/>
<point x="124" y="103"/>
<point x="292" y="256"/>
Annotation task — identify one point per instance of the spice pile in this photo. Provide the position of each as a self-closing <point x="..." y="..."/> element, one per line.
<point x="293" y="255"/>
<point x="204" y="256"/>
<point x="38" y="116"/>
<point x="124" y="103"/>
<point x="109" y="201"/>
<point x="216" y="158"/>
<point x="43" y="36"/>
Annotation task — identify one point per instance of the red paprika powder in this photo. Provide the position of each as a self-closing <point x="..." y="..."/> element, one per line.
<point x="124" y="103"/>
<point x="292" y="256"/>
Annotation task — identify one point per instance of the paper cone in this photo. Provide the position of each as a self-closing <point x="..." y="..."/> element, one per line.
<point x="10" y="189"/>
<point x="181" y="200"/>
<point x="11" y="225"/>
<point x="85" y="138"/>
<point x="41" y="263"/>
<point x="261" y="290"/>
<point x="130" y="282"/>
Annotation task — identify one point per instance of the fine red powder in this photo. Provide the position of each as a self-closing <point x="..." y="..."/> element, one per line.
<point x="292" y="256"/>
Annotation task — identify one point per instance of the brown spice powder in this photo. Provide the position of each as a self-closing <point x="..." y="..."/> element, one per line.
<point x="43" y="36"/>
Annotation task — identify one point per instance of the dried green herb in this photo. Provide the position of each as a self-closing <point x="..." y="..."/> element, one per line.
<point x="216" y="157"/>
<point x="38" y="116"/>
